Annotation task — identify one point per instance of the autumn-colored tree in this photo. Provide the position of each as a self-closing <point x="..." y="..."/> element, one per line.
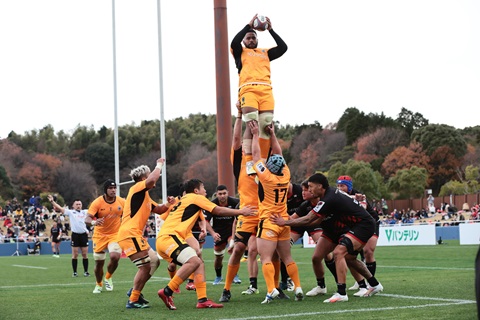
<point x="445" y="167"/>
<point x="74" y="181"/>
<point x="307" y="165"/>
<point x="312" y="151"/>
<point x="379" y="143"/>
<point x="405" y="158"/>
<point x="472" y="157"/>
<point x="206" y="170"/>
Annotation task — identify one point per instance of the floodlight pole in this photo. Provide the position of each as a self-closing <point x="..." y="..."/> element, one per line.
<point x="115" y="130"/>
<point x="163" y="152"/>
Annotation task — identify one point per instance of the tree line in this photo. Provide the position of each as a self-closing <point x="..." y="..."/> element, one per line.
<point x="387" y="158"/>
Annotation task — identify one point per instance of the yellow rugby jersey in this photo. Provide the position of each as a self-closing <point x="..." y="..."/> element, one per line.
<point x="136" y="211"/>
<point x="111" y="212"/>
<point x="255" y="67"/>
<point x="165" y="215"/>
<point x="272" y="191"/>
<point x="185" y="213"/>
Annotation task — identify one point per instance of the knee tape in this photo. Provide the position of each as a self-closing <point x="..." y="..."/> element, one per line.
<point x="99" y="256"/>
<point x="186" y="254"/>
<point x="345" y="241"/>
<point x="154" y="261"/>
<point x="114" y="247"/>
<point x="140" y="262"/>
<point x="219" y="253"/>
<point x="264" y="119"/>
<point x="250" y="116"/>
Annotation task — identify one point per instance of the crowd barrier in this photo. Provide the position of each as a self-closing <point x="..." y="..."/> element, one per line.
<point x="411" y="235"/>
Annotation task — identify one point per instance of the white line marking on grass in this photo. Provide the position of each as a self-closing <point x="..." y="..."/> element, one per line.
<point x="427" y="268"/>
<point x="455" y="301"/>
<point x="449" y="302"/>
<point x="32" y="267"/>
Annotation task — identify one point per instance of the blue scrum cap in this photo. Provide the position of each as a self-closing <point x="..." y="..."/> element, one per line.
<point x="275" y="164"/>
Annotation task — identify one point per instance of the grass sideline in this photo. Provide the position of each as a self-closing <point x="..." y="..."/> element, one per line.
<point x="421" y="282"/>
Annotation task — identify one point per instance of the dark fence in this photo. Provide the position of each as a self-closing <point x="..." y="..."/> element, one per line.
<point x="417" y="204"/>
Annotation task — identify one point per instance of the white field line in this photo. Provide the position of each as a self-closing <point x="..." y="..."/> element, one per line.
<point x="31" y="267"/>
<point x="447" y="302"/>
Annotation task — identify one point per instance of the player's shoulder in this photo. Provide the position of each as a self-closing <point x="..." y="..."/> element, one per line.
<point x="261" y="168"/>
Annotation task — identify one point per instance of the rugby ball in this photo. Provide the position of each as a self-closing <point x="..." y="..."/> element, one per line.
<point x="260" y="23"/>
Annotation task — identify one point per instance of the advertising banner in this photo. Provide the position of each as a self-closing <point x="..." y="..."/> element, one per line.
<point x="407" y="235"/>
<point x="469" y="233"/>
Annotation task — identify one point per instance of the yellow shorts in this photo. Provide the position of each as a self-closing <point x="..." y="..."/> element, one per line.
<point x="170" y="246"/>
<point x="270" y="231"/>
<point x="133" y="245"/>
<point x="247" y="224"/>
<point x="101" y="242"/>
<point x="257" y="96"/>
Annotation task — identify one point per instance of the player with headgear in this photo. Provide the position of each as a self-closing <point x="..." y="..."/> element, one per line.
<point x="105" y="214"/>
<point x="273" y="242"/>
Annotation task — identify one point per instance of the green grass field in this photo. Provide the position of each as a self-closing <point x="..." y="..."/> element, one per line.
<point x="421" y="282"/>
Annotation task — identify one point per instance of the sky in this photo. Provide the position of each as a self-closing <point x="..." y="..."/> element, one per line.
<point x="56" y="61"/>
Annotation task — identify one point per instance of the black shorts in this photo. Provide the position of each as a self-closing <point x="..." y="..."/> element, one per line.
<point x="377" y="229"/>
<point x="196" y="235"/>
<point x="224" y="236"/>
<point x="79" y="240"/>
<point x="301" y="230"/>
<point x="242" y="237"/>
<point x="332" y="236"/>
<point x="363" y="231"/>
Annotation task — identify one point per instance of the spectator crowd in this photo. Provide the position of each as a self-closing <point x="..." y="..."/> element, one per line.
<point x="28" y="221"/>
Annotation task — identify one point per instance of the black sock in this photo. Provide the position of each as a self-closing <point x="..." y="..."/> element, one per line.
<point x="202" y="300"/>
<point x="372" y="267"/>
<point x="245" y="254"/>
<point x="331" y="266"/>
<point x="362" y="284"/>
<point x="253" y="283"/>
<point x="283" y="270"/>
<point x="74" y="264"/>
<point x="373" y="282"/>
<point x="168" y="291"/>
<point x="218" y="272"/>
<point x="321" y="282"/>
<point x="85" y="264"/>
<point x="342" y="288"/>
